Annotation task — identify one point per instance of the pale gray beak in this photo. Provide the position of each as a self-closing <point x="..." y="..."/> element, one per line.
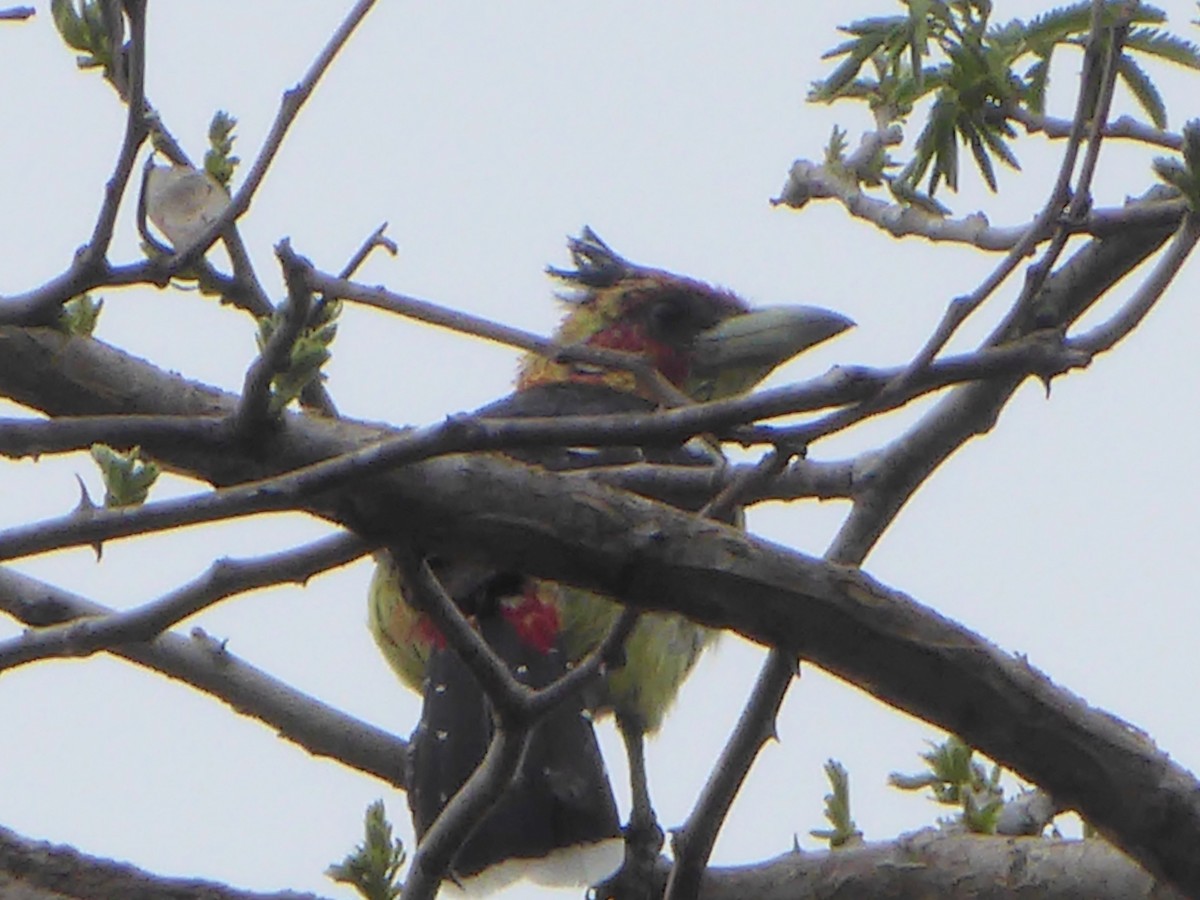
<point x="740" y="352"/>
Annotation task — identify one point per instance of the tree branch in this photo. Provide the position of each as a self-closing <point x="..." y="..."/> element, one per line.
<point x="225" y="578"/>
<point x="208" y="666"/>
<point x="34" y="870"/>
<point x="915" y="866"/>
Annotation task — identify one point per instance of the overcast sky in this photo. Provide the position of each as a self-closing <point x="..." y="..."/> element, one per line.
<point x="484" y="133"/>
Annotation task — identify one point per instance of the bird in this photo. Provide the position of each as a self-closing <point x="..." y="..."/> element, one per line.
<point x="704" y="343"/>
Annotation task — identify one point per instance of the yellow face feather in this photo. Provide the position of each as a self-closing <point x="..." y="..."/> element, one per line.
<point x="654" y="314"/>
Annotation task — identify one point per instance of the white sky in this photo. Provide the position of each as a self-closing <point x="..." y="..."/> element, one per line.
<point x="484" y="134"/>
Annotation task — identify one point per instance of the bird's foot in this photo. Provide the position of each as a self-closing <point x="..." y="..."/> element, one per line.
<point x="639" y="877"/>
<point x="643" y="836"/>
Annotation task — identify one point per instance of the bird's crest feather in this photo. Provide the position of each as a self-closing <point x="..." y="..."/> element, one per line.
<point x="597" y="265"/>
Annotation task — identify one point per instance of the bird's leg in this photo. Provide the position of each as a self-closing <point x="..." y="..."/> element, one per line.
<point x="643" y="837"/>
<point x="643" y="830"/>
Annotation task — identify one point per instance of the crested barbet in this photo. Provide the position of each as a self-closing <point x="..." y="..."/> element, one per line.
<point x="557" y="822"/>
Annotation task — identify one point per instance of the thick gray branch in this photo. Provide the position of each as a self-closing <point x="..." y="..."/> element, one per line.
<point x="925" y="864"/>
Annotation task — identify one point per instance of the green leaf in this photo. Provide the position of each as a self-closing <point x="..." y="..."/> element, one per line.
<point x="942" y="141"/>
<point x="835" y="151"/>
<point x="89" y="30"/>
<point x="910" y="196"/>
<point x="1063" y="21"/>
<point x="981" y="812"/>
<point x="309" y="353"/>
<point x="1037" y="76"/>
<point x="837" y="809"/>
<point x="69" y="24"/>
<point x="840" y="78"/>
<point x="919" y="28"/>
<point x="1172" y="171"/>
<point x="994" y="138"/>
<point x="219" y="160"/>
<point x="1051" y="27"/>
<point x="1184" y="175"/>
<point x="1143" y="90"/>
<point x="956" y="779"/>
<point x="876" y="25"/>
<point x="127" y="476"/>
<point x="79" y="316"/>
<point x="983" y="161"/>
<point x="1191" y="145"/>
<point x="373" y="867"/>
<point x="1164" y="45"/>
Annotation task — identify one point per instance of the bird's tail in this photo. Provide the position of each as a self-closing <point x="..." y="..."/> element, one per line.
<point x="557" y="822"/>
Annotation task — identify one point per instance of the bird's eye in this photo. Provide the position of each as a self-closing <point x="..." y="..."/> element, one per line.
<point x="668" y="315"/>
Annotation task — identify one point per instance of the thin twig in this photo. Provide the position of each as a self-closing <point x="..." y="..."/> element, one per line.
<point x="1105" y="336"/>
<point x="1095" y="99"/>
<point x="1044" y="353"/>
<point x="464" y="323"/>
<point x="1081" y="201"/>
<point x="961" y="308"/>
<point x="692" y="844"/>
<point x="688" y="487"/>
<point x="916" y="379"/>
<point x="90" y="266"/>
<point x="289" y="108"/>
<point x="1123" y="127"/>
<point x="247" y="291"/>
<point x="136" y="131"/>
<point x="471" y="803"/>
<point x="314" y="396"/>
<point x="36" y="437"/>
<point x="224" y="578"/>
<point x="377" y="239"/>
<point x="514" y="701"/>
<point x="746" y="482"/>
<point x="842" y="386"/>
<point x="429" y="597"/>
<point x="254" y="406"/>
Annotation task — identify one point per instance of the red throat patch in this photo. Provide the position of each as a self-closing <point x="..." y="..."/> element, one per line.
<point x="535" y="621"/>
<point x="428" y="634"/>
<point x="631" y="338"/>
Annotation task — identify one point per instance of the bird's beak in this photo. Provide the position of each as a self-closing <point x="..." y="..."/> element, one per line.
<point x="738" y="353"/>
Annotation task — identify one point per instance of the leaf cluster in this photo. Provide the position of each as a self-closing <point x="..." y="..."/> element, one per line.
<point x="127" y="476"/>
<point x="837" y="809"/>
<point x="80" y="315"/>
<point x="1184" y="174"/>
<point x="373" y="867"/>
<point x="955" y="778"/>
<point x="219" y="160"/>
<point x="308" y="354"/>
<point x="976" y="74"/>
<point x="96" y="29"/>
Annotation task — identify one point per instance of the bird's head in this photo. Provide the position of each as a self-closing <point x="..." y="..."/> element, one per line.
<point x="706" y="341"/>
